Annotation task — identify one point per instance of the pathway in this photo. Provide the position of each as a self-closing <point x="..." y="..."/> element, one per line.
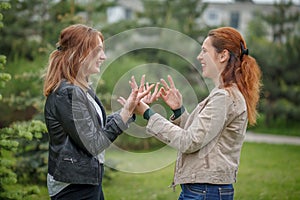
<point x="272" y="139"/>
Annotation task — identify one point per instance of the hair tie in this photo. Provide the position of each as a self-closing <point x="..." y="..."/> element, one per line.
<point x="244" y="51"/>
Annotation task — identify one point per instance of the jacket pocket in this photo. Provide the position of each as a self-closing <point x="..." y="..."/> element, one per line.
<point x="83" y="170"/>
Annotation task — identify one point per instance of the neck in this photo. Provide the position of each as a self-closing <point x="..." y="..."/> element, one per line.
<point x="217" y="80"/>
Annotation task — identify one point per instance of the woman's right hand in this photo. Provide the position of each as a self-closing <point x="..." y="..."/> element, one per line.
<point x="137" y="93"/>
<point x="170" y="94"/>
<point x="151" y="96"/>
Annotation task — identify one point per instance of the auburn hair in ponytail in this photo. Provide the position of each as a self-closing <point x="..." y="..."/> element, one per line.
<point x="242" y="69"/>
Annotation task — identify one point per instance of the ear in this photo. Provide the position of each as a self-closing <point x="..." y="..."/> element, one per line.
<point x="224" y="56"/>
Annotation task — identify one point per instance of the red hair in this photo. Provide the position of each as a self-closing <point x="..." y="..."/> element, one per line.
<point x="74" y="45"/>
<point x="241" y="68"/>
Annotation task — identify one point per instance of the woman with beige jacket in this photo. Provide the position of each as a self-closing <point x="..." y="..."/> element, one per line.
<point x="210" y="138"/>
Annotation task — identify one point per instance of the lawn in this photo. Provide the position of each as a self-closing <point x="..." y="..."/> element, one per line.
<point x="267" y="172"/>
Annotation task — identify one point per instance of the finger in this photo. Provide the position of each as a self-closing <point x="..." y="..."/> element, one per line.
<point x="142" y="84"/>
<point x="142" y="94"/>
<point x="134" y="93"/>
<point x="121" y="100"/>
<point x="158" y="95"/>
<point x="164" y="83"/>
<point x="133" y="83"/>
<point x="156" y="88"/>
<point x="162" y="92"/>
<point x="178" y="94"/>
<point x="145" y="86"/>
<point x="154" y="95"/>
<point x="172" y="85"/>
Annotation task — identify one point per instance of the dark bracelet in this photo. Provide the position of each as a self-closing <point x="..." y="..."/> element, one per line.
<point x="178" y="112"/>
<point x="148" y="113"/>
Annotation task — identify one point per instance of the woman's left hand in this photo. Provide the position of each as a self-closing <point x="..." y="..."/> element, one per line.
<point x="137" y="93"/>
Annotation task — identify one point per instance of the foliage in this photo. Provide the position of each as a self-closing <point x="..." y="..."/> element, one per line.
<point x="278" y="61"/>
<point x="4" y="77"/>
<point x="178" y="15"/>
<point x="32" y="153"/>
<point x="11" y="139"/>
<point x="282" y="21"/>
<point x="34" y="30"/>
<point x="277" y="127"/>
<point x="23" y="96"/>
<point x="33" y="25"/>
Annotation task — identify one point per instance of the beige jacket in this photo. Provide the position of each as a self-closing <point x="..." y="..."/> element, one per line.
<point x="209" y="140"/>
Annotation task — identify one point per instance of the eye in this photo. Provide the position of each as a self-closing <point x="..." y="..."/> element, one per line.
<point x="99" y="48"/>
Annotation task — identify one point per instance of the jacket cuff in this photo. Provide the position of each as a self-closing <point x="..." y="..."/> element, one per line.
<point x="148" y="113"/>
<point x="177" y="113"/>
<point x="119" y="122"/>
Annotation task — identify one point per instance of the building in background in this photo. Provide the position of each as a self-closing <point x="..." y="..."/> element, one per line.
<point x="236" y="14"/>
<point x="124" y="10"/>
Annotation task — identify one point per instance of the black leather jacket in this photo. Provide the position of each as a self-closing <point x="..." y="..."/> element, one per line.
<point x="76" y="136"/>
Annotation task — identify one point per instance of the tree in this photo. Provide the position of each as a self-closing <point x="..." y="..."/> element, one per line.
<point x="278" y="60"/>
<point x="4" y="77"/>
<point x="31" y="36"/>
<point x="10" y="140"/>
<point x="179" y="15"/>
<point x="282" y="20"/>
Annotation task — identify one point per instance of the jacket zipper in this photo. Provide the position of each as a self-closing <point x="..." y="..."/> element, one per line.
<point x="69" y="159"/>
<point x="173" y="186"/>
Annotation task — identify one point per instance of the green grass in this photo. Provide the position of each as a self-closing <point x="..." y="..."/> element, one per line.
<point x="148" y="186"/>
<point x="276" y="127"/>
<point x="267" y="172"/>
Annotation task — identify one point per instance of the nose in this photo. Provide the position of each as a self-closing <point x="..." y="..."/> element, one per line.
<point x="102" y="56"/>
<point x="199" y="57"/>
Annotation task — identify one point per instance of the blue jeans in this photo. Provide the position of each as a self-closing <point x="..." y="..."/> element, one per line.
<point x="197" y="191"/>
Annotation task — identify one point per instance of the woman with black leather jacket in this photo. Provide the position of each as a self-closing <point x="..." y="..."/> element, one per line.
<point x="79" y="130"/>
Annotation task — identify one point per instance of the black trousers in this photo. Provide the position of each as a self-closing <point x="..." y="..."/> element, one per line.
<point x="81" y="192"/>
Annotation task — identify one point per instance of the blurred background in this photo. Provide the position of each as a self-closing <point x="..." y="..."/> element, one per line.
<point x="29" y="31"/>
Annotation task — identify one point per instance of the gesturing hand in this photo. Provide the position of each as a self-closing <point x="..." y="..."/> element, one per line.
<point x="137" y="93"/>
<point x="170" y="94"/>
<point x="151" y="97"/>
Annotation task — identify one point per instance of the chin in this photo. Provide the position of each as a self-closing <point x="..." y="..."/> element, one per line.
<point x="96" y="70"/>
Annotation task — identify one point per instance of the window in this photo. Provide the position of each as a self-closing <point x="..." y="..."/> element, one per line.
<point x="234" y="19"/>
<point x="212" y="17"/>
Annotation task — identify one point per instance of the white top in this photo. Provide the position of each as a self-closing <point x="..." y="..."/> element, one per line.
<point x="98" y="109"/>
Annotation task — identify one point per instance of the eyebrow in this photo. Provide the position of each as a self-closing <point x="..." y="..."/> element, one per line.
<point x="100" y="46"/>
